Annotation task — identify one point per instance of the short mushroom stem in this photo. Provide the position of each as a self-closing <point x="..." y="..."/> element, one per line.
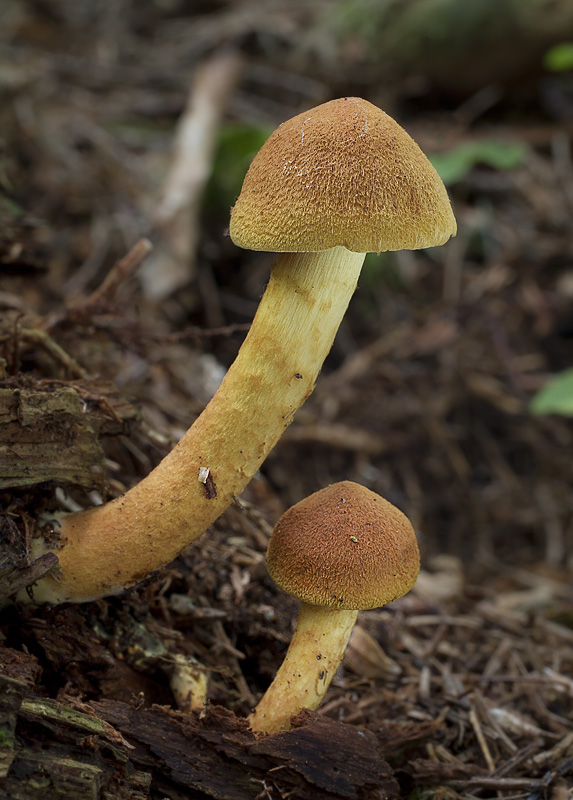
<point x="314" y="654"/>
<point x="106" y="549"/>
<point x="338" y="550"/>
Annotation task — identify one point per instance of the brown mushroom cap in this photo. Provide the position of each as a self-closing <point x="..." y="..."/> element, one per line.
<point x="343" y="173"/>
<point x="344" y="547"/>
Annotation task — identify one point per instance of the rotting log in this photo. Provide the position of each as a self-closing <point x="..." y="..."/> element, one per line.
<point x="51" y="433"/>
<point x="109" y="750"/>
<point x="11" y="694"/>
<point x="216" y="755"/>
<point x="54" y="434"/>
<point x="51" y="751"/>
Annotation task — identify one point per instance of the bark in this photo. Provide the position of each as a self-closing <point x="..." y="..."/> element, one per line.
<point x="214" y="754"/>
<point x="109" y="750"/>
<point x="50" y="751"/>
<point x="53" y="435"/>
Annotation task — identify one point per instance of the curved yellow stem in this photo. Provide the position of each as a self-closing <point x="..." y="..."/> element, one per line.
<point x="106" y="549"/>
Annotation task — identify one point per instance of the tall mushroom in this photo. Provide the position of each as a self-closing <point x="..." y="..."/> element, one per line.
<point x="340" y="550"/>
<point x="328" y="186"/>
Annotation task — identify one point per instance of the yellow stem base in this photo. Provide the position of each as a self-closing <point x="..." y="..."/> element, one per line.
<point x="313" y="656"/>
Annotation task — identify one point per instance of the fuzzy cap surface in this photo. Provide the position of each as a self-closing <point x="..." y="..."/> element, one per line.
<point x="343" y="173"/>
<point x="344" y="547"/>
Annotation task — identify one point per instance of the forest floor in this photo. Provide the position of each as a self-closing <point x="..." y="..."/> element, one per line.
<point x="461" y="689"/>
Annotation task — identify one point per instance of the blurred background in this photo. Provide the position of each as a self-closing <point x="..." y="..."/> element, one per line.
<point x="449" y="388"/>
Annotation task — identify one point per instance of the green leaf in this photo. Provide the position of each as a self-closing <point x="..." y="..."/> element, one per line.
<point x="556" y="397"/>
<point x="559" y="58"/>
<point x="453" y="166"/>
<point x="238" y="144"/>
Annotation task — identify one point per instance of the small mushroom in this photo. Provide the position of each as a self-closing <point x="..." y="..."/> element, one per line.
<point x="339" y="550"/>
<point x="328" y="186"/>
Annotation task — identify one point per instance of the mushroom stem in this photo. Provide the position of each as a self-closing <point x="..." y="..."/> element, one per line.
<point x="189" y="683"/>
<point x="314" y="654"/>
<point x="108" y="548"/>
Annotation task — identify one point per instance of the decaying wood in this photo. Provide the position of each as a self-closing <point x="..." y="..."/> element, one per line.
<point x="337" y="758"/>
<point x="53" y="433"/>
<point x="215" y="753"/>
<point x="49" y="750"/>
<point x="14" y="577"/>
<point x="11" y="699"/>
<point x="110" y="750"/>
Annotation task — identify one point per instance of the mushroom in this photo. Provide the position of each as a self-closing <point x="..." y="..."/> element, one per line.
<point x="328" y="186"/>
<point x="340" y="550"/>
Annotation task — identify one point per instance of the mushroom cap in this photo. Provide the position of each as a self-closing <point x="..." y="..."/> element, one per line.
<point x="343" y="173"/>
<point x="344" y="547"/>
